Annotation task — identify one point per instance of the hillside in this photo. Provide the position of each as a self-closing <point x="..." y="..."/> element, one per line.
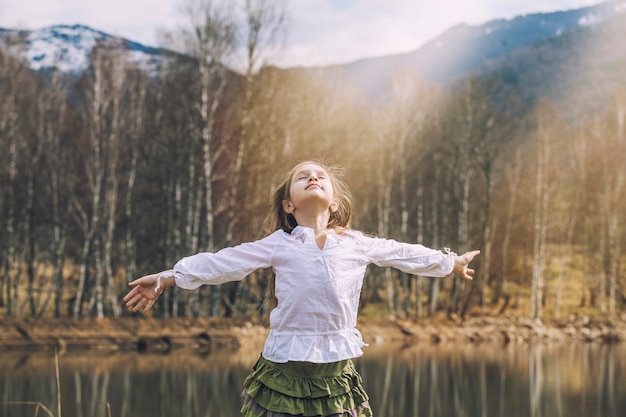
<point x="68" y="47"/>
<point x="580" y="71"/>
<point x="463" y="49"/>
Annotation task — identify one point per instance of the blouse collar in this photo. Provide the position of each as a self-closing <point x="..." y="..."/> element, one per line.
<point x="303" y="233"/>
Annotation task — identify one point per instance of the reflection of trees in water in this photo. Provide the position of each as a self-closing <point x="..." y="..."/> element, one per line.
<point x="164" y="392"/>
<point x="423" y="380"/>
<point x="536" y="380"/>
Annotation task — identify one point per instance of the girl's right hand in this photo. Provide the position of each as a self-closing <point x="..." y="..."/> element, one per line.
<point x="144" y="293"/>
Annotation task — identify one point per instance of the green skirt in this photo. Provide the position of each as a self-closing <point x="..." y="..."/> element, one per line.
<point x="304" y="389"/>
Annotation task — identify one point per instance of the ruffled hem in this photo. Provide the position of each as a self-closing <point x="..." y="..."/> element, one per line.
<point x="252" y="409"/>
<point x="318" y="348"/>
<point x="304" y="389"/>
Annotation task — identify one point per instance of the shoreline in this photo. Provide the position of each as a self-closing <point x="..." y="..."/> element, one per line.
<point x="151" y="335"/>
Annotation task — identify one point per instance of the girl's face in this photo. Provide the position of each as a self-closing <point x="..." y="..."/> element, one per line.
<point x="311" y="189"/>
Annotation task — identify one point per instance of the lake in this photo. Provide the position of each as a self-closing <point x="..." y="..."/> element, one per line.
<point x="518" y="380"/>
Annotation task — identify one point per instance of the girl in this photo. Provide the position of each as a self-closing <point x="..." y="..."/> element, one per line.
<point x="319" y="263"/>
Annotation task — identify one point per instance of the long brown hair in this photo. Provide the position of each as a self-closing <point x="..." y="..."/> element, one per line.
<point x="277" y="218"/>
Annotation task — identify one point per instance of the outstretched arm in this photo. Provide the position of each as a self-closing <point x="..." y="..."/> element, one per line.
<point x="461" y="264"/>
<point x="147" y="289"/>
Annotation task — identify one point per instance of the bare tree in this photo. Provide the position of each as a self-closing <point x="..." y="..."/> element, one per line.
<point x="210" y="39"/>
<point x="547" y="130"/>
<point x="469" y="124"/>
<point x="52" y="112"/>
<point x="512" y="179"/>
<point x="612" y="138"/>
<point x="265" y="22"/>
<point x="573" y="177"/>
<point x="137" y="115"/>
<point x="15" y="84"/>
<point x="103" y="116"/>
<point x="264" y="25"/>
<point x="407" y="113"/>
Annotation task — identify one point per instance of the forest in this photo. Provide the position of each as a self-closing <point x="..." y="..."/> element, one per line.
<point x="121" y="172"/>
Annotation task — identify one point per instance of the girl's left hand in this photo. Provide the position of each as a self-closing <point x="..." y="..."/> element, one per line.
<point x="461" y="263"/>
<point x="145" y="292"/>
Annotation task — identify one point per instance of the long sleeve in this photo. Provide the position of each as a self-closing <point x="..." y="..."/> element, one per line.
<point x="410" y="258"/>
<point x="229" y="264"/>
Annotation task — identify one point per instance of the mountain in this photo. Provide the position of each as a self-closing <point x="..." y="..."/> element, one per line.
<point x="580" y="72"/>
<point x="463" y="49"/>
<point x="67" y="48"/>
<point x="527" y="52"/>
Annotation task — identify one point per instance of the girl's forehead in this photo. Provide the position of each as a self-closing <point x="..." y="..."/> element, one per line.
<point x="308" y="167"/>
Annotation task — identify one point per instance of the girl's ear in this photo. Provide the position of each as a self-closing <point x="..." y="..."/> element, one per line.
<point x="288" y="207"/>
<point x="334" y="207"/>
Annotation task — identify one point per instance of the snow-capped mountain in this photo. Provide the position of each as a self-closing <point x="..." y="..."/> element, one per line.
<point x="67" y="48"/>
<point x="450" y="56"/>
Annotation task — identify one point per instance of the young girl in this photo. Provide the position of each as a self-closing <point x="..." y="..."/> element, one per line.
<point x="319" y="263"/>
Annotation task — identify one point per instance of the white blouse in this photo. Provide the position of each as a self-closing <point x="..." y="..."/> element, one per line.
<point x="317" y="289"/>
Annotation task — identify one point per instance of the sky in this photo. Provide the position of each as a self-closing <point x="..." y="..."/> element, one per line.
<point x="319" y="32"/>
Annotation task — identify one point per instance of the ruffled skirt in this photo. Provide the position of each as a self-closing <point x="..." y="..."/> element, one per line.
<point x="304" y="389"/>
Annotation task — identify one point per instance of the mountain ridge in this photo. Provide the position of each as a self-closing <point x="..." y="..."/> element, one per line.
<point x="498" y="46"/>
<point x="458" y="51"/>
<point x="442" y="59"/>
<point x="67" y="48"/>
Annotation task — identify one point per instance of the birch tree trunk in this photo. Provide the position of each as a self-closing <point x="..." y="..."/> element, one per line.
<point x="435" y="284"/>
<point x="265" y="20"/>
<point x="419" y="213"/>
<point x="384" y="200"/>
<point x="137" y="116"/>
<point x="52" y="112"/>
<point x="465" y="124"/>
<point x="462" y="231"/>
<point x="614" y="175"/>
<point x="91" y="217"/>
<point x="576" y="172"/>
<point x="617" y="212"/>
<point x="542" y="198"/>
<point x="117" y="87"/>
<point x="211" y="41"/>
<point x="13" y="81"/>
<point x="513" y="176"/>
<point x="12" y="268"/>
<point x="29" y="226"/>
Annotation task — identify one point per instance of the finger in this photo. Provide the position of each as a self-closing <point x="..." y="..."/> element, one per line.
<point x="150" y="295"/>
<point x="134" y="300"/>
<point x="131" y="294"/>
<point x="140" y="281"/>
<point x="132" y="305"/>
<point x="139" y="305"/>
<point x="474" y="254"/>
<point x="149" y="306"/>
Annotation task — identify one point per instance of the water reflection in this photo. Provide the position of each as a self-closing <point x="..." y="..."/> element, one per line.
<point x="421" y="380"/>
